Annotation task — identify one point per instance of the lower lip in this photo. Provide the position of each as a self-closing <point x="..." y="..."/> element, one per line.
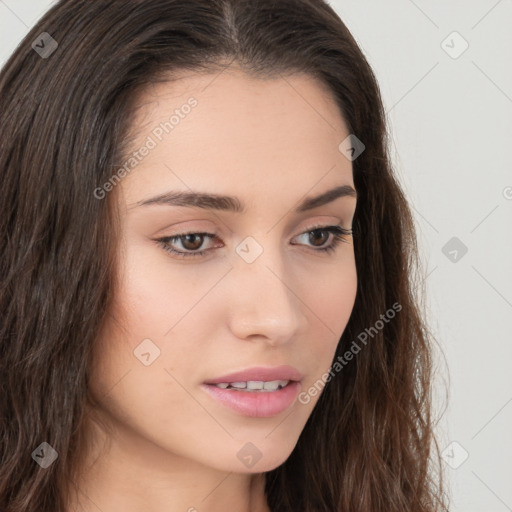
<point x="256" y="404"/>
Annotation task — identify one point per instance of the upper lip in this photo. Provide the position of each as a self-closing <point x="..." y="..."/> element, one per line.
<point x="260" y="373"/>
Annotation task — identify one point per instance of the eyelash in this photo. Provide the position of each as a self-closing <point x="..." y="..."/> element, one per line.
<point x="339" y="233"/>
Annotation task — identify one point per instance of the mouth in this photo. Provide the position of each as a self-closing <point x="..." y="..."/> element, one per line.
<point x="254" y="386"/>
<point x="257" y="392"/>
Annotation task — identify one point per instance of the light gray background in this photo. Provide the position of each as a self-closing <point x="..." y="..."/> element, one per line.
<point x="451" y="125"/>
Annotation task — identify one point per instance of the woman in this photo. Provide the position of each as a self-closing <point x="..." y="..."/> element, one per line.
<point x="208" y="284"/>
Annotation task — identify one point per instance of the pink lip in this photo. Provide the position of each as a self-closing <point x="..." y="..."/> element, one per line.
<point x="257" y="404"/>
<point x="260" y="373"/>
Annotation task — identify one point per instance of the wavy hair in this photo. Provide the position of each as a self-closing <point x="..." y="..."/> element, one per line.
<point x="369" y="444"/>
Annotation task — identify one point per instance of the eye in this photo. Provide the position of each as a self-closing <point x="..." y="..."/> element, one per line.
<point x="338" y="233"/>
<point x="191" y="242"/>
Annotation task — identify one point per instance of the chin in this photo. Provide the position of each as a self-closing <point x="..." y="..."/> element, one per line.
<point x="259" y="455"/>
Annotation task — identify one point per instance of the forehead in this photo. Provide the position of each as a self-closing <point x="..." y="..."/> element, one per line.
<point x="226" y="129"/>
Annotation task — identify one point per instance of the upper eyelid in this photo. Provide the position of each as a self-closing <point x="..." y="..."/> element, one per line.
<point x="216" y="235"/>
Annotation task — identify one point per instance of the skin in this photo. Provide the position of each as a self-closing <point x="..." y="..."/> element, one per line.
<point x="270" y="143"/>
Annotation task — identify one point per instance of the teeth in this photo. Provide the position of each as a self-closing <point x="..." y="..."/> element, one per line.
<point x="274" y="385"/>
<point x="254" y="385"/>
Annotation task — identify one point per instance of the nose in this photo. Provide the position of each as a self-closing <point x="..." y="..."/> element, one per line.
<point x="264" y="302"/>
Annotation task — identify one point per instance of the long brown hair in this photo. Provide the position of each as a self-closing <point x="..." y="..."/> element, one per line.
<point x="64" y="116"/>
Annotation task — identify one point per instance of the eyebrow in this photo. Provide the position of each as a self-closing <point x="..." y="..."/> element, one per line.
<point x="233" y="204"/>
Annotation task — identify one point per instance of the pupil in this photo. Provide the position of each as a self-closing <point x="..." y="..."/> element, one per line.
<point x="194" y="246"/>
<point x="317" y="232"/>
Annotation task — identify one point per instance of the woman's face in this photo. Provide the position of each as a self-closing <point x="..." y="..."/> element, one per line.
<point x="263" y="300"/>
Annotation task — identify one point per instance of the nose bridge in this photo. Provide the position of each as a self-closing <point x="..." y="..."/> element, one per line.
<point x="265" y="303"/>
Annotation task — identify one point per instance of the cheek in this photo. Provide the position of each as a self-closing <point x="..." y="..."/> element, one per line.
<point x="157" y="292"/>
<point x="158" y="317"/>
<point x="329" y="293"/>
<point x="149" y="287"/>
<point x="149" y="397"/>
<point x="330" y="298"/>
